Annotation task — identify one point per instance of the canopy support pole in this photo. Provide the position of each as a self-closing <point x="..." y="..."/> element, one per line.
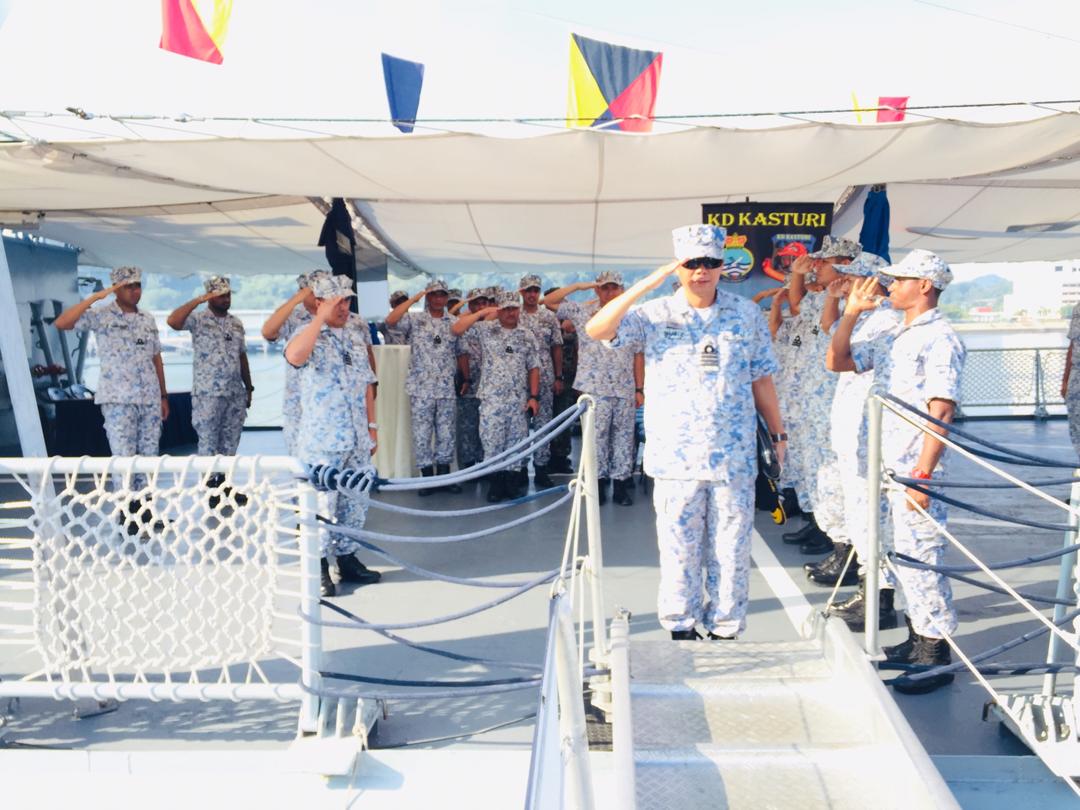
<point x="17" y="367"/>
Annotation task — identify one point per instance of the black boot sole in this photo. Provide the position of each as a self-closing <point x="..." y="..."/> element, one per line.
<point x="924" y="686"/>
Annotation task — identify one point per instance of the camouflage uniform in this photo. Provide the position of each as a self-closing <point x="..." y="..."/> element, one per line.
<point x="333" y="418"/>
<point x="544" y="327"/>
<point x="218" y="393"/>
<point x="849" y="430"/>
<point x="700" y="449"/>
<point x="291" y="408"/>
<point x="1072" y="393"/>
<point x="607" y="374"/>
<point x="509" y="355"/>
<point x="128" y="391"/>
<point x="918" y="362"/>
<point x="430" y="385"/>
<point x="701" y="429"/>
<point x="469" y="448"/>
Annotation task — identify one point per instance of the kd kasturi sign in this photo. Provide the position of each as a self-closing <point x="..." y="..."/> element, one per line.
<point x="763" y="239"/>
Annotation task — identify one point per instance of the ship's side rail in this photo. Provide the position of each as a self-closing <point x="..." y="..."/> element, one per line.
<point x="1046" y="721"/>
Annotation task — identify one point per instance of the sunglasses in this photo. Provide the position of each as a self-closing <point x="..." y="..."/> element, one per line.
<point x="707" y="262"/>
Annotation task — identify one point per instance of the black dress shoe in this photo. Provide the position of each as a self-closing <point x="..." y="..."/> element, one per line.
<point x="622" y="491"/>
<point x="802" y="535"/>
<point x="351" y="569"/>
<point x="820" y="543"/>
<point x="685" y="635"/>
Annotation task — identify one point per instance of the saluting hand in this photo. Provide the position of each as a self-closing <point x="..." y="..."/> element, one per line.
<point x="863" y="296"/>
<point x="802" y="265"/>
<point x="658" y="276"/>
<point x="326" y="308"/>
<point x="839" y="288"/>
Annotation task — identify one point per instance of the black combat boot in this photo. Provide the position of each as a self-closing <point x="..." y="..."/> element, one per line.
<point x="444" y="469"/>
<point x="685" y="635"/>
<point x="853" y="610"/>
<point x="928" y="653"/>
<point x="807" y="532"/>
<point x="601" y="489"/>
<point x="560" y="465"/>
<point x="623" y="491"/>
<point x="427" y="472"/>
<point x="541" y="478"/>
<point x="904" y="652"/>
<point x="497" y="487"/>
<point x="517" y="483"/>
<point x="326" y="584"/>
<point x="351" y="569"/>
<point x="827" y="572"/>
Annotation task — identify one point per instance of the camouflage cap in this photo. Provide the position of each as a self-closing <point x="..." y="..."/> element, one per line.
<point x="530" y="281"/>
<point x="476" y="292"/>
<point x="609" y="277"/>
<point x="217" y="285"/>
<point x="397" y="296"/>
<point x="698" y="242"/>
<point x="864" y="265"/>
<point x="455" y="294"/>
<point x="305" y="280"/>
<point x="436" y="285"/>
<point x="506" y="300"/>
<point x="126" y="275"/>
<point x="833" y="247"/>
<point x="922" y="264"/>
<point x="328" y="286"/>
<point x="493" y="291"/>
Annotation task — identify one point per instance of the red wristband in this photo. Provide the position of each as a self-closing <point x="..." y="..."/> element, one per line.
<point x="917" y="473"/>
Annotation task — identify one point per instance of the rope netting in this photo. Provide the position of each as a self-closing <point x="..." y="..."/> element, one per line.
<point x="167" y="577"/>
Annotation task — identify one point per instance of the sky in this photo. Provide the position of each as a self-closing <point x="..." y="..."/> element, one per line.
<point x="321" y="58"/>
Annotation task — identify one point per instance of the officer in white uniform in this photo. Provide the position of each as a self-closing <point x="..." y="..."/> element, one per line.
<point x="509" y="384"/>
<point x="708" y="365"/>
<point x="920" y="363"/>
<point x="221" y="380"/>
<point x="337" y="424"/>
<point x="131" y="388"/>
<point x="430" y="381"/>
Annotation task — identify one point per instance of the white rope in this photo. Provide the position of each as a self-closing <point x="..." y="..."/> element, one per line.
<point x="1070" y="640"/>
<point x="981" y="462"/>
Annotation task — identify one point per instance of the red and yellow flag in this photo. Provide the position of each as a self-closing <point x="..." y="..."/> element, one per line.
<point x="195" y="28"/>
<point x="612" y="83"/>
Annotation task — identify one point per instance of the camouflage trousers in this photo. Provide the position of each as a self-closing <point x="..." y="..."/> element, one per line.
<point x="346" y="510"/>
<point x="547" y="410"/>
<point x="928" y="594"/>
<point x="433" y="430"/>
<point x="1072" y="406"/>
<point x="703" y="529"/>
<point x="502" y="424"/>
<point x="469" y="449"/>
<point x="219" y="421"/>
<point x="290" y="409"/>
<point x="133" y="430"/>
<point x="614" y="437"/>
<point x="560" y="445"/>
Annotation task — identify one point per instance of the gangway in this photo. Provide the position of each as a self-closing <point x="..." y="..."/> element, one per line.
<point x="803" y="723"/>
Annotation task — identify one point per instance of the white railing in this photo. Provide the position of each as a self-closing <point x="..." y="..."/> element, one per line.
<point x="127" y="581"/>
<point x="560" y="775"/>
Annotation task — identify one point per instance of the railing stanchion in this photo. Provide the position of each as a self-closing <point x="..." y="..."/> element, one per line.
<point x="595" y="566"/>
<point x="1067" y="583"/>
<point x="310" y="632"/>
<point x="873" y="522"/>
<point x="578" y="791"/>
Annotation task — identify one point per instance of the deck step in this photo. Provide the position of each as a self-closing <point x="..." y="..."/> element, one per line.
<point x="761" y="712"/>
<point x="710" y="778"/>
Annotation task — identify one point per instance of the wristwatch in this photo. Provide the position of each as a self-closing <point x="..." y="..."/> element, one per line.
<point x="917" y="473"/>
<point x="373" y="425"/>
<point x="778" y="437"/>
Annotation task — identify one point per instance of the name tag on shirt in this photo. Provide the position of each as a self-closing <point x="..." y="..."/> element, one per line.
<point x="347" y="358"/>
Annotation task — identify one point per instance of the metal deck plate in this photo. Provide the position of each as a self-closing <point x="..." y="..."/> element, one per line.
<point x="689" y="661"/>
<point x="760" y="713"/>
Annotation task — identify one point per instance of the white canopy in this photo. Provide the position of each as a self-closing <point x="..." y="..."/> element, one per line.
<point x="574" y="200"/>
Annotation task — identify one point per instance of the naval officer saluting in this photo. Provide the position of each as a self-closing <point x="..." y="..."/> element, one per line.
<point x="708" y="365"/>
